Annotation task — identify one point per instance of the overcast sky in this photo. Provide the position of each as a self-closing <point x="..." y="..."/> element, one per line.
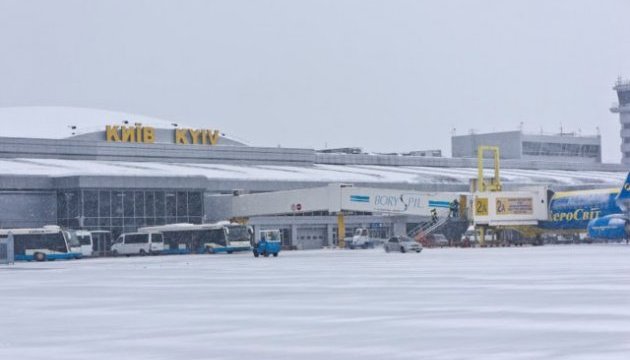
<point x="383" y="75"/>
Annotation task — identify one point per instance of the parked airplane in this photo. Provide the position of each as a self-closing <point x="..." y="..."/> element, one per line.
<point x="614" y="226"/>
<point x="601" y="212"/>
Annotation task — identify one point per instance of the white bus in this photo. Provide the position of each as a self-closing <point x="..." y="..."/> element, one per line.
<point x="204" y="238"/>
<point x="47" y="243"/>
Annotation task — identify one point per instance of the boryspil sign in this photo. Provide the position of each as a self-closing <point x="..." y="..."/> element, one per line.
<point x="146" y="135"/>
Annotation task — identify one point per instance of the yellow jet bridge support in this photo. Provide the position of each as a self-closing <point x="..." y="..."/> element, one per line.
<point x="341" y="231"/>
<point x="494" y="183"/>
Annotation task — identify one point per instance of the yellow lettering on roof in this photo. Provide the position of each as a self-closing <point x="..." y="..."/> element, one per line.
<point x="112" y="133"/>
<point x="181" y="137"/>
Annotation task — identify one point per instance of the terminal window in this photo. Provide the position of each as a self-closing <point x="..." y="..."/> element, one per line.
<point x="128" y="210"/>
<point x="558" y="149"/>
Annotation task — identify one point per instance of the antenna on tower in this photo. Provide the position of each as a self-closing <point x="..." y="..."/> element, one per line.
<point x="598" y="131"/>
<point x="520" y="126"/>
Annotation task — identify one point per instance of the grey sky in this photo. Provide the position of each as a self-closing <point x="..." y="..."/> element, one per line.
<point x="383" y="75"/>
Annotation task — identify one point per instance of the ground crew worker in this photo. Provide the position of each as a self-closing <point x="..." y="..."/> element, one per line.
<point x="434" y="216"/>
<point x="454" y="207"/>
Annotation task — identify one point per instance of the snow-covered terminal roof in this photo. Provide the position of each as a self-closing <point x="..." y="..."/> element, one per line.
<point x="315" y="173"/>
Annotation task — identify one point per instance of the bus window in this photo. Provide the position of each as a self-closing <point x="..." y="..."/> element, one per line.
<point x="84" y="240"/>
<point x="238" y="233"/>
<point x="73" y="240"/>
<point x="215" y="236"/>
<point x="136" y="239"/>
<point x="157" y="238"/>
<point x="174" y="238"/>
<point x="54" y="242"/>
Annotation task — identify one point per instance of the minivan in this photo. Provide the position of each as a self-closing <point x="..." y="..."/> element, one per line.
<point x="138" y="244"/>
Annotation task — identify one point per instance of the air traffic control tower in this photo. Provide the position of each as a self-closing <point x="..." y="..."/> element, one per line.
<point x="622" y="87"/>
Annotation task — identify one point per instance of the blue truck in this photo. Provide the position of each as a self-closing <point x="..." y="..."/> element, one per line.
<point x="268" y="242"/>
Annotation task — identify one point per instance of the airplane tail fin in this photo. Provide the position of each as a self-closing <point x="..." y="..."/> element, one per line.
<point x="623" y="199"/>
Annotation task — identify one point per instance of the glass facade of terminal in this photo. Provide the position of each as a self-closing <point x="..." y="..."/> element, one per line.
<point x="127" y="210"/>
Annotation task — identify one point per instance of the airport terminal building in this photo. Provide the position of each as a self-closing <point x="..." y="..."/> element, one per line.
<point x="100" y="170"/>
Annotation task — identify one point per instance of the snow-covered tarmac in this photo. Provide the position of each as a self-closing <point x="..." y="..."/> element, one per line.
<point x="552" y="302"/>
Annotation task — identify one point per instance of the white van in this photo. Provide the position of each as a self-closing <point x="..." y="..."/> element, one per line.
<point x="138" y="244"/>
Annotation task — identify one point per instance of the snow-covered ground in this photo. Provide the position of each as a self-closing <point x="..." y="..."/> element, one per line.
<point x="552" y="302"/>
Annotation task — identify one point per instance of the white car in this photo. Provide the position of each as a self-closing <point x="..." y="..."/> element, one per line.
<point x="402" y="244"/>
<point x="138" y="244"/>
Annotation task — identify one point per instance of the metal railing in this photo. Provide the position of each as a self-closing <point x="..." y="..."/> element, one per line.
<point x="427" y="228"/>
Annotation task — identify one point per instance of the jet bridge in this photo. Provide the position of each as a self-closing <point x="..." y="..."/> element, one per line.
<point x="337" y="198"/>
<point x="525" y="207"/>
<point x="344" y="199"/>
<point x="493" y="207"/>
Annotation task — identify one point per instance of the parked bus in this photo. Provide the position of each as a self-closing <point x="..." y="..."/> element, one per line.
<point x="205" y="238"/>
<point x="47" y="243"/>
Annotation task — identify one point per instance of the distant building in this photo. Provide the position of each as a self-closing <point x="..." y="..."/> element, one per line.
<point x="623" y="108"/>
<point x="520" y="146"/>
